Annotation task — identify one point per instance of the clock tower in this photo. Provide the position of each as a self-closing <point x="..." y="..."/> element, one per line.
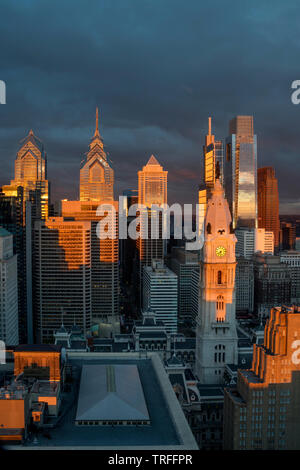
<point x="216" y="341"/>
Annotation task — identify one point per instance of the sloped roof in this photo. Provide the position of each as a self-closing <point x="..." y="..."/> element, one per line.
<point x="153" y="161"/>
<point x="112" y="393"/>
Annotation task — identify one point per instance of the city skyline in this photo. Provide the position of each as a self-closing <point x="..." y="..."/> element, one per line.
<point x="63" y="194"/>
<point x="166" y="91"/>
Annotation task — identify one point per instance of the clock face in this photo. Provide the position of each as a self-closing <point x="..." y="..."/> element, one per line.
<point x="220" y="251"/>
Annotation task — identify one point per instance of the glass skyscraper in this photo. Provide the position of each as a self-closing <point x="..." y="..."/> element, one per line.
<point x="240" y="172"/>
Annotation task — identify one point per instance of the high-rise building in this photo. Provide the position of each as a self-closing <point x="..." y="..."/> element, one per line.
<point x="29" y="197"/>
<point x="8" y="290"/>
<point x="287" y="236"/>
<point x="104" y="262"/>
<point x="268" y="202"/>
<point x="31" y="174"/>
<point x="240" y="172"/>
<point x="244" y="285"/>
<point x="97" y="189"/>
<point x="262" y="410"/>
<point x="252" y="240"/>
<point x="152" y="191"/>
<point x="62" y="276"/>
<point x="272" y="283"/>
<point x="216" y="335"/>
<point x="12" y="218"/>
<point x="152" y="181"/>
<point x="96" y="173"/>
<point x="183" y="262"/>
<point x="211" y="168"/>
<point x="160" y="294"/>
<point x="292" y="259"/>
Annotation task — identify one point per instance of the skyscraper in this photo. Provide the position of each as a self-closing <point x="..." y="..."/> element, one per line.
<point x="216" y="336"/>
<point x="211" y="168"/>
<point x="240" y="172"/>
<point x="160" y="294"/>
<point x="262" y="411"/>
<point x="104" y="263"/>
<point x="28" y="196"/>
<point x="8" y="290"/>
<point x="268" y="202"/>
<point x="152" y="190"/>
<point x="31" y="174"/>
<point x="96" y="173"/>
<point x="152" y="184"/>
<point x="62" y="276"/>
<point x="97" y="188"/>
<point x="287" y="236"/>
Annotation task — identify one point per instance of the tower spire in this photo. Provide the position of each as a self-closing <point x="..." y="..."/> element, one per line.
<point x="97" y="134"/>
<point x="209" y="126"/>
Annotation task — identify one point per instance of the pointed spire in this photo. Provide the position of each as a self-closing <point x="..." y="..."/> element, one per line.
<point x="209" y="126"/>
<point x="97" y="134"/>
<point x="30" y="132"/>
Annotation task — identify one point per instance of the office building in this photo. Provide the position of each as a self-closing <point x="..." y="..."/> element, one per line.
<point x="244" y="286"/>
<point x="160" y="293"/>
<point x="96" y="173"/>
<point x="8" y="290"/>
<point x="272" y="283"/>
<point x="287" y="236"/>
<point x="240" y="172"/>
<point x="183" y="262"/>
<point x="152" y="191"/>
<point x="250" y="241"/>
<point x="31" y="174"/>
<point x="62" y="276"/>
<point x="268" y="202"/>
<point x="262" y="410"/>
<point x="292" y="260"/>
<point x="216" y="335"/>
<point x="211" y="168"/>
<point x="104" y="261"/>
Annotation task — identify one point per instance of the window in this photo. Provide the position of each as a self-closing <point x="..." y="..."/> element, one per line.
<point x="219" y="277"/>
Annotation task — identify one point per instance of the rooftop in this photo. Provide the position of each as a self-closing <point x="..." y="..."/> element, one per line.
<point x="168" y="427"/>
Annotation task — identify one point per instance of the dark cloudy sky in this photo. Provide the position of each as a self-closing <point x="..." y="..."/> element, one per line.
<point x="157" y="69"/>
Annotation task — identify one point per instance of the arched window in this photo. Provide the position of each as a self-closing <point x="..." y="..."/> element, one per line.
<point x="220" y="308"/>
<point x="208" y="228"/>
<point x="220" y="353"/>
<point x="219" y="277"/>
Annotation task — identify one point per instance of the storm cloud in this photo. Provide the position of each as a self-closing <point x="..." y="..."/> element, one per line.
<point x="157" y="69"/>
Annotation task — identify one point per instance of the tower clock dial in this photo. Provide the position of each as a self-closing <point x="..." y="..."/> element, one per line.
<point x="220" y="251"/>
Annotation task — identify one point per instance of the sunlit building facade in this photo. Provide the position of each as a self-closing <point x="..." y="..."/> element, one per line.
<point x="62" y="276"/>
<point x="96" y="173"/>
<point x="152" y="190"/>
<point x="262" y="411"/>
<point x="104" y="261"/>
<point x="216" y="335"/>
<point x="31" y="174"/>
<point x="211" y="168"/>
<point x="268" y="202"/>
<point x="152" y="184"/>
<point x="240" y="172"/>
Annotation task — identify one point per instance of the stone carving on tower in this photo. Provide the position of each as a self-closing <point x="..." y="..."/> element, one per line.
<point x="216" y="337"/>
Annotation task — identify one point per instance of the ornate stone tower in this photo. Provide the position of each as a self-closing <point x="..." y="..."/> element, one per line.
<point x="216" y="329"/>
